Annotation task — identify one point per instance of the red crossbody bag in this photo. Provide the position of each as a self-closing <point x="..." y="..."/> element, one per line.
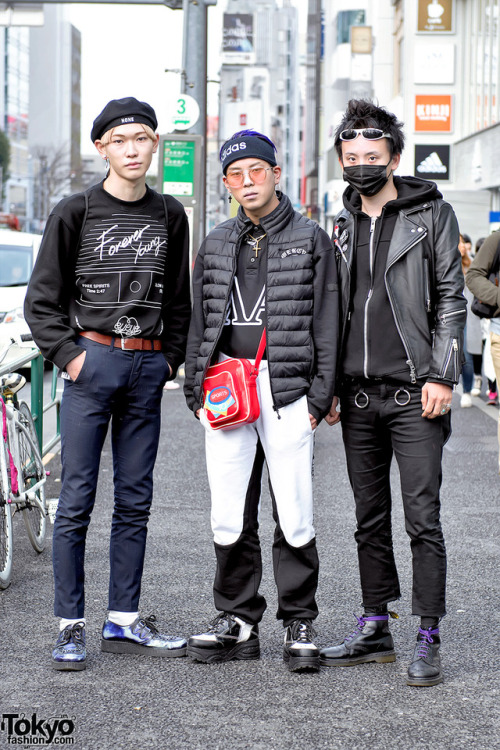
<point x="230" y="391"/>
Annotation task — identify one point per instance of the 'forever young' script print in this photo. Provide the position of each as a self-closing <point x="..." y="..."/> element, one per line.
<point x="120" y="268"/>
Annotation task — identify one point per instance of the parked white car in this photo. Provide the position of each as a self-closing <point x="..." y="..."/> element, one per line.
<point x="18" y="251"/>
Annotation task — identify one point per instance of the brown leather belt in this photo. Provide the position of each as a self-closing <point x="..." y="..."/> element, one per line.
<point x="141" y="345"/>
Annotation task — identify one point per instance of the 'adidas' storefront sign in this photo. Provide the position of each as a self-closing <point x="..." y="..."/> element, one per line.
<point x="432" y="161"/>
<point x="432" y="164"/>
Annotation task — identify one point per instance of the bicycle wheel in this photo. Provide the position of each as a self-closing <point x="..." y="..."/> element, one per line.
<point x="5" y="526"/>
<point x="32" y="472"/>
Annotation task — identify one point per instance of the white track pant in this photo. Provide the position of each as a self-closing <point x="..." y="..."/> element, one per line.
<point x="287" y="442"/>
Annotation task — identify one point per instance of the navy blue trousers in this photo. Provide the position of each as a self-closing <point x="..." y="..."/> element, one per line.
<point x="124" y="388"/>
<point x="372" y="436"/>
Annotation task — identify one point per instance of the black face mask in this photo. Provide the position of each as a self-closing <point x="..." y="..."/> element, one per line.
<point x="367" y="179"/>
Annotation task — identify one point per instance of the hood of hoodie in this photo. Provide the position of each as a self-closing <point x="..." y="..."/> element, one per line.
<point x="411" y="192"/>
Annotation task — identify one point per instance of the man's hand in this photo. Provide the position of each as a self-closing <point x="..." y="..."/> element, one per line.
<point x="333" y="415"/>
<point x="314" y="422"/>
<point x="435" y="399"/>
<point x="74" y="367"/>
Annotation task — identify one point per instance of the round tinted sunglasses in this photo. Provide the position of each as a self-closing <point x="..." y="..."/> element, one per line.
<point x="371" y="134"/>
<point x="256" y="174"/>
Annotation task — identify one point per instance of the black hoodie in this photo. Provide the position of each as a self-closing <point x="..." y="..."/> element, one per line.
<point x="372" y="345"/>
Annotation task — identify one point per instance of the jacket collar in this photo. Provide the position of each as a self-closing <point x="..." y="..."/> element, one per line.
<point x="273" y="222"/>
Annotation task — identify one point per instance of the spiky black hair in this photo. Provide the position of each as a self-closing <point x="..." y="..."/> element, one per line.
<point x="363" y="113"/>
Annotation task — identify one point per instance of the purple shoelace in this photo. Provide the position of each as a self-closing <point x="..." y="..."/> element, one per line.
<point x="362" y="622"/>
<point x="424" y="644"/>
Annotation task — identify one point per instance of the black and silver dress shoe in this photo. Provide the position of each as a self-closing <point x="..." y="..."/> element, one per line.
<point x="227" y="638"/>
<point x="299" y="651"/>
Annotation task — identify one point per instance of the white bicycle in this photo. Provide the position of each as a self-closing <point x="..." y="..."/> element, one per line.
<point x="22" y="474"/>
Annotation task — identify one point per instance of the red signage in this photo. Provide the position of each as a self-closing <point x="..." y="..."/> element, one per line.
<point x="433" y="113"/>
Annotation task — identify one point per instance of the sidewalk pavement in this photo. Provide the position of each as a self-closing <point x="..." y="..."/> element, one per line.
<point x="137" y="703"/>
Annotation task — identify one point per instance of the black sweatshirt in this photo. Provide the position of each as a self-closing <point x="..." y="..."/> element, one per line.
<point x="125" y="278"/>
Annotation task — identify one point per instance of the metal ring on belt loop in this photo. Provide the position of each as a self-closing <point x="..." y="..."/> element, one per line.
<point x="365" y="403"/>
<point x="402" y="403"/>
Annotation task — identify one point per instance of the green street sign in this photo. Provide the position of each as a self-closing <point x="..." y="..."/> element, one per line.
<point x="178" y="167"/>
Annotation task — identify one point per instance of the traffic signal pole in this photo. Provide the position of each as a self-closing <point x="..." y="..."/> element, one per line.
<point x="194" y="83"/>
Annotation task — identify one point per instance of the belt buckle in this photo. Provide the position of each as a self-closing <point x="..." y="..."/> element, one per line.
<point x="122" y="344"/>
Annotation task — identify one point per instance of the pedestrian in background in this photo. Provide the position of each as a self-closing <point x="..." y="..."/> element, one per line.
<point x="486" y="263"/>
<point x="109" y="304"/>
<point x="402" y="319"/>
<point x="471" y="378"/>
<point x="268" y="268"/>
<point x="483" y="363"/>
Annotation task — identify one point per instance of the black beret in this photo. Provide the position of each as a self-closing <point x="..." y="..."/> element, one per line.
<point x="122" y="112"/>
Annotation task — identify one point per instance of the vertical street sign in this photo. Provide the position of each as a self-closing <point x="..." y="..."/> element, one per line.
<point x="179" y="174"/>
<point x="178" y="167"/>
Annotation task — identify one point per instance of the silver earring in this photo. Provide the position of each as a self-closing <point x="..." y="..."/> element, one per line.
<point x="106" y="163"/>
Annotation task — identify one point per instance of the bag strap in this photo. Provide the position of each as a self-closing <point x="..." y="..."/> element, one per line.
<point x="260" y="351"/>
<point x="85" y="214"/>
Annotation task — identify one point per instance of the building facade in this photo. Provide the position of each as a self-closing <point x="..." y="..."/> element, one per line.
<point x="40" y="67"/>
<point x="259" y="79"/>
<point x="435" y="64"/>
<point x="55" y="110"/>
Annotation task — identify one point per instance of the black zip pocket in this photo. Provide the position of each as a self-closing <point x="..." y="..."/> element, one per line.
<point x="427" y="286"/>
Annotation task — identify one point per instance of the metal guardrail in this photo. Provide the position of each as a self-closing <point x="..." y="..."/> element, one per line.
<point x="38" y="408"/>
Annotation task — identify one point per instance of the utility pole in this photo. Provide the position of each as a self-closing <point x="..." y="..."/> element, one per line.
<point x="194" y="80"/>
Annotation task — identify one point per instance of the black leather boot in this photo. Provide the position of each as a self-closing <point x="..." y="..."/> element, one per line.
<point x="425" y="668"/>
<point x="371" y="641"/>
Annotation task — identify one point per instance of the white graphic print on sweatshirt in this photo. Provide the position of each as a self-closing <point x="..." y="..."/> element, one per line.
<point x="237" y="315"/>
<point x="121" y="268"/>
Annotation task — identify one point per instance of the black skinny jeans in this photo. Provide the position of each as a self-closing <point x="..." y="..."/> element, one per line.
<point x="371" y="436"/>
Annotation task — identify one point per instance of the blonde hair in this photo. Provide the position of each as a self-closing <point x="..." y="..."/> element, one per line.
<point x="107" y="136"/>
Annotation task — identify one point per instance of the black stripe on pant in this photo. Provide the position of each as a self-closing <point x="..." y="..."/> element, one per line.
<point x="239" y="566"/>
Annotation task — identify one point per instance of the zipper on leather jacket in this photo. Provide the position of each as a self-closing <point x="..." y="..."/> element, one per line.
<point x="373" y="221"/>
<point x="409" y="361"/>
<point x="346" y="314"/>
<point x="452" y="352"/>
<point x="427" y="285"/>
<point x="450" y="314"/>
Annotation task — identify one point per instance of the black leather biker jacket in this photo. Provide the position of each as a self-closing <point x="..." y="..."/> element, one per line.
<point x="424" y="283"/>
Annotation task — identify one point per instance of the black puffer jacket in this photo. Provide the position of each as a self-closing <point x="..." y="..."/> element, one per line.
<point x="301" y="306"/>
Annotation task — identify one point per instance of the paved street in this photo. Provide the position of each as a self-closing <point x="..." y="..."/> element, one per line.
<point x="137" y="703"/>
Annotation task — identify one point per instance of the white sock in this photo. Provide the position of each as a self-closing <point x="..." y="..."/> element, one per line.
<point x="122" y="618"/>
<point x="63" y="623"/>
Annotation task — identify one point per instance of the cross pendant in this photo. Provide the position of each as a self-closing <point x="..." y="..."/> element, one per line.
<point x="257" y="247"/>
